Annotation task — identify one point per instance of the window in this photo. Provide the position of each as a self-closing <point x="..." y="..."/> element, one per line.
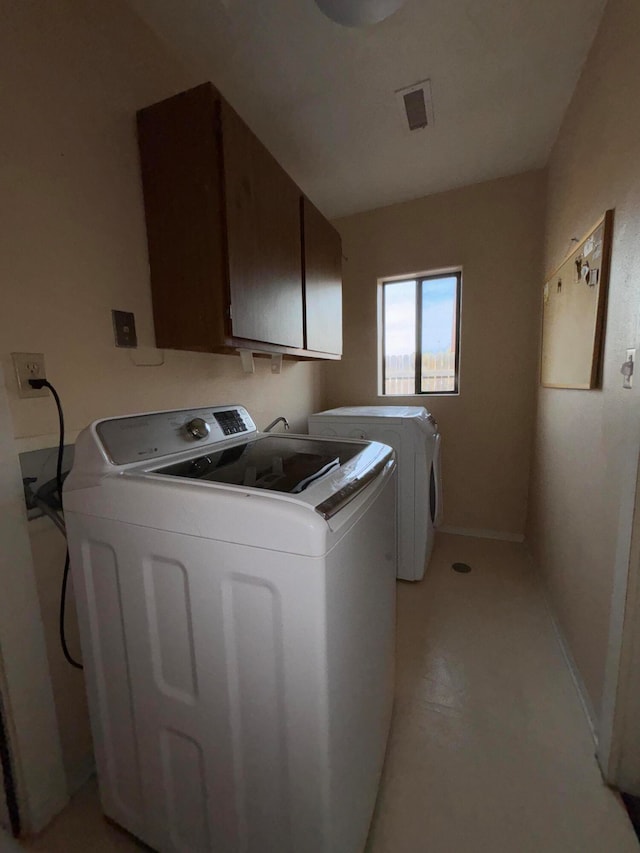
<point x="420" y="334"/>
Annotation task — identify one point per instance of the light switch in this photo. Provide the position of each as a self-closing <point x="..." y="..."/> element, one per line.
<point x="627" y="369"/>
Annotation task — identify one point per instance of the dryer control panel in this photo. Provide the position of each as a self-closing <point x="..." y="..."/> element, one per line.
<point x="139" y="437"/>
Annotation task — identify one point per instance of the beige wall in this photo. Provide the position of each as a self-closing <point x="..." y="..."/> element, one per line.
<point x="494" y="232"/>
<point x="587" y="441"/>
<point x="72" y="247"/>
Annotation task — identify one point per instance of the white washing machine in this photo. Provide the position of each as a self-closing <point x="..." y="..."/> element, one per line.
<point x="236" y="600"/>
<point x="413" y="434"/>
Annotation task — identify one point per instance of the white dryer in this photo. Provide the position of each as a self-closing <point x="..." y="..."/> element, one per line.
<point x="413" y="434"/>
<point x="236" y="601"/>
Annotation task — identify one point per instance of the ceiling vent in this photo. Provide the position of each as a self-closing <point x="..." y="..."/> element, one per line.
<point x="416" y="105"/>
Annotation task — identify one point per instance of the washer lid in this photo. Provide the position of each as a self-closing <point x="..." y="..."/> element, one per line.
<point x="395" y="414"/>
<point x="274" y="463"/>
<point x="374" y="412"/>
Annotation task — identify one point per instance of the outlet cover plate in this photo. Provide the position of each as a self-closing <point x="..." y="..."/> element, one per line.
<point x="29" y="365"/>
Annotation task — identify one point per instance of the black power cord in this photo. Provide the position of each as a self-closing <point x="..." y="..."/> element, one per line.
<point x="43" y="383"/>
<point x="63" y="602"/>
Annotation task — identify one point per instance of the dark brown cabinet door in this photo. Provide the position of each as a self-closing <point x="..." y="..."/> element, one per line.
<point x="179" y="160"/>
<point x="263" y="239"/>
<point x="323" y="282"/>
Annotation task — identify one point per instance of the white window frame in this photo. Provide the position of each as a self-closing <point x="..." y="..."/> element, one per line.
<point x="419" y="276"/>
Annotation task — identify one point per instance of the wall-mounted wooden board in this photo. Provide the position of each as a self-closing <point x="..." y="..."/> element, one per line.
<point x="574" y="306"/>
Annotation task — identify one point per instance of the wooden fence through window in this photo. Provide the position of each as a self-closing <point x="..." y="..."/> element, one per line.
<point x="438" y="373"/>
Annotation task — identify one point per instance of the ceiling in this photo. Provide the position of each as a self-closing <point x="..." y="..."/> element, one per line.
<point x="321" y="96"/>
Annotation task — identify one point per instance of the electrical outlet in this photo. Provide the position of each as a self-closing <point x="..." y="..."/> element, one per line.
<point x="29" y="365"/>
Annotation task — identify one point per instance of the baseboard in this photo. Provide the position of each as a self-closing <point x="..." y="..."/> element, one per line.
<point x="483" y="534"/>
<point x="578" y="683"/>
<point x="583" y="696"/>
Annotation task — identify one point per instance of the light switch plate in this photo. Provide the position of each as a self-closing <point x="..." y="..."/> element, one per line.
<point x="124" y="329"/>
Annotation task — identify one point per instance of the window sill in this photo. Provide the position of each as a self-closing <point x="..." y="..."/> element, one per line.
<point x="425" y="396"/>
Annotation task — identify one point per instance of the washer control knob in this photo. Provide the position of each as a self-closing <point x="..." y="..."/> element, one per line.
<point x="197" y="428"/>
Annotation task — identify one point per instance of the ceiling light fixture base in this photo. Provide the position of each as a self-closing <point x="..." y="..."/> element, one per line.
<point x="358" y="13"/>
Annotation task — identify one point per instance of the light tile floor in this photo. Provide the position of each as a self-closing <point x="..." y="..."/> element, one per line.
<point x="490" y="749"/>
<point x="489" y="752"/>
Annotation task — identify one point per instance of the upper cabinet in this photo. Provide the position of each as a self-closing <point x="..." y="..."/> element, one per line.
<point x="322" y="270"/>
<point x="229" y="268"/>
<point x="263" y="238"/>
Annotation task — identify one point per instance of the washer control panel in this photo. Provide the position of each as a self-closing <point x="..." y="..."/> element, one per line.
<point x="231" y="421"/>
<point x="140" y="437"/>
